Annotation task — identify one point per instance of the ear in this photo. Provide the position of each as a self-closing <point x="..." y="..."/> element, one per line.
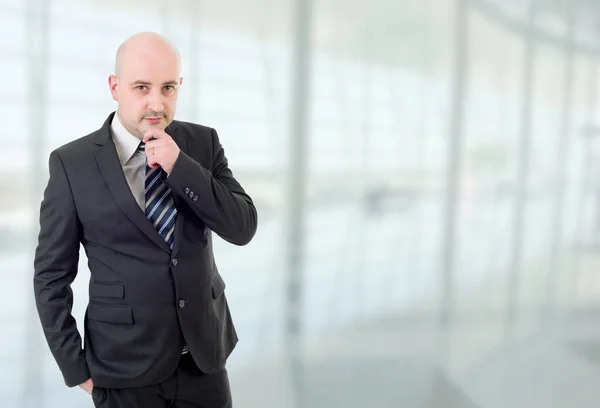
<point x="113" y="84"/>
<point x="180" y="80"/>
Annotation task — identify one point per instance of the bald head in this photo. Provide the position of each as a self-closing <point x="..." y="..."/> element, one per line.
<point x="146" y="82"/>
<point x="145" y="43"/>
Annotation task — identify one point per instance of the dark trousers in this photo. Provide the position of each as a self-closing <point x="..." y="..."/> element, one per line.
<point x="187" y="387"/>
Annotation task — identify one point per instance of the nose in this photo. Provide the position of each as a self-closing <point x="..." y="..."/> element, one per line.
<point x="155" y="102"/>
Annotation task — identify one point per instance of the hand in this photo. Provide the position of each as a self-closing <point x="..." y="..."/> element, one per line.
<point x="162" y="151"/>
<point x="87" y="386"/>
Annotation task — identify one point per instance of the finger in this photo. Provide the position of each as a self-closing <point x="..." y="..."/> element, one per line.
<point x="156" y="144"/>
<point x="150" y="134"/>
<point x="152" y="151"/>
<point x="152" y="161"/>
<point x="156" y="133"/>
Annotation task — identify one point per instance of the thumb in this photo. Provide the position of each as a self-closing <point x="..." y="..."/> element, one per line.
<point x="152" y="133"/>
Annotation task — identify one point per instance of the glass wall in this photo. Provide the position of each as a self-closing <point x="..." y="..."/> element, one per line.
<point x="425" y="174"/>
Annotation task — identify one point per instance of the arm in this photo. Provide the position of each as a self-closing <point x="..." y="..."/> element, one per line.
<point x="218" y="199"/>
<point x="55" y="265"/>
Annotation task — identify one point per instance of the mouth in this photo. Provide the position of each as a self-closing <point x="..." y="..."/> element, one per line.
<point x="153" y="119"/>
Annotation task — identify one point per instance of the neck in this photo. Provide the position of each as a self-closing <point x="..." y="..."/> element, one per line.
<point x="133" y="131"/>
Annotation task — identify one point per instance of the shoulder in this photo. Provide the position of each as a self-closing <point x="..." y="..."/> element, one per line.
<point x="194" y="132"/>
<point x="84" y="145"/>
<point x="78" y="147"/>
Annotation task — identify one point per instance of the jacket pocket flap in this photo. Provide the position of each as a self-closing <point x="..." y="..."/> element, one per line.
<point x="218" y="286"/>
<point x="122" y="314"/>
<point x="107" y="290"/>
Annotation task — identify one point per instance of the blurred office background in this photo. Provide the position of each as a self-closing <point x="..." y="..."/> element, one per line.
<point x="426" y="174"/>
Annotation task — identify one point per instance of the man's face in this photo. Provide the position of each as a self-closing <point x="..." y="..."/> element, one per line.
<point x="146" y="87"/>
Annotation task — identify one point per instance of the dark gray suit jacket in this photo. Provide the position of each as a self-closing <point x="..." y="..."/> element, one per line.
<point x="145" y="301"/>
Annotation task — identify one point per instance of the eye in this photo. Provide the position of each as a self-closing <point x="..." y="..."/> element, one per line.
<point x="169" y="88"/>
<point x="141" y="87"/>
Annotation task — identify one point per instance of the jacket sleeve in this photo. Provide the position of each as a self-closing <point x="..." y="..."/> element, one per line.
<point x="215" y="195"/>
<point x="55" y="268"/>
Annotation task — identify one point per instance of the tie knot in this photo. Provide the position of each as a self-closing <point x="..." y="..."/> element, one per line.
<point x="141" y="147"/>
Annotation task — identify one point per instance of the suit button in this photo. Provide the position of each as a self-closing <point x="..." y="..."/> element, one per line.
<point x="174" y="262"/>
<point x="191" y="194"/>
<point x="181" y="304"/>
<point x="186" y="190"/>
<point x="195" y="198"/>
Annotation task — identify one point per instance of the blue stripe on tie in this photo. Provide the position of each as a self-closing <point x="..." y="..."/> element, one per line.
<point x="158" y="204"/>
<point x="161" y="219"/>
<point x="167" y="222"/>
<point x="152" y="181"/>
<point x="162" y="203"/>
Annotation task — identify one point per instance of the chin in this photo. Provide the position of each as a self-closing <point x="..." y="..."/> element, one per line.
<point x="164" y="123"/>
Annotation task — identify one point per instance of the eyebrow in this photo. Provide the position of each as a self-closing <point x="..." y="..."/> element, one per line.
<point x="148" y="83"/>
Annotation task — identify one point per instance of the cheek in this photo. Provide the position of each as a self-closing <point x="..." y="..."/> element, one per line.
<point x="170" y="105"/>
<point x="133" y="100"/>
<point x="137" y="108"/>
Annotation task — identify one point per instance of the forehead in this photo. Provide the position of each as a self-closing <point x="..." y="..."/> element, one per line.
<point x="150" y="65"/>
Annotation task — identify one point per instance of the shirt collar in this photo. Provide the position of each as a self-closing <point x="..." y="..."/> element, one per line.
<point x="125" y="142"/>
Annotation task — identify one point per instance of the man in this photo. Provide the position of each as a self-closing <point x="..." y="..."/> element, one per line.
<point x="142" y="195"/>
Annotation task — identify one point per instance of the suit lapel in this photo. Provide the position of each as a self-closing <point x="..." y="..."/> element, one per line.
<point x="180" y="220"/>
<point x="108" y="162"/>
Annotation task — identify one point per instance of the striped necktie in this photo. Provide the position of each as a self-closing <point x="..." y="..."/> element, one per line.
<point x="160" y="206"/>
